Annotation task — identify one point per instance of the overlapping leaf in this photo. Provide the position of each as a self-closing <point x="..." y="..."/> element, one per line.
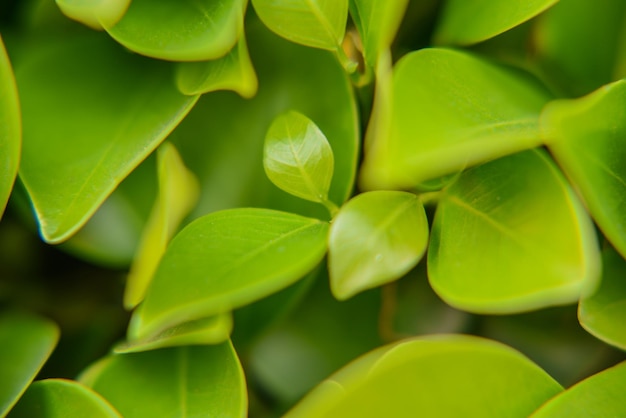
<point x="94" y="13"/>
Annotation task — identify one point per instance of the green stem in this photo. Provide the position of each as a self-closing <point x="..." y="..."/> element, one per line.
<point x="430" y="198"/>
<point x="332" y="208"/>
<point x="347" y="63"/>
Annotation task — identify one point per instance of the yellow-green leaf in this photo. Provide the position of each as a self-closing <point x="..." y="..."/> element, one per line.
<point x="94" y="13"/>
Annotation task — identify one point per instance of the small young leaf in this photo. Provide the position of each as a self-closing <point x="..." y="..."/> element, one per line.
<point x="511" y="236"/>
<point x="468" y="22"/>
<point x="227" y="259"/>
<point x="450" y="110"/>
<point x="441" y="376"/>
<point x="27" y="342"/>
<point x="59" y="398"/>
<point x="315" y="23"/>
<point x="94" y="13"/>
<point x="10" y="129"/>
<point x="586" y="137"/>
<point x="297" y="157"/>
<point x="190" y="381"/>
<point x="183" y="30"/>
<point x="598" y="396"/>
<point x="376" y="238"/>
<point x="603" y="313"/>
<point x="178" y="193"/>
<point x="233" y="71"/>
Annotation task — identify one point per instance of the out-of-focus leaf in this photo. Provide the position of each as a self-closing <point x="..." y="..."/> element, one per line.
<point x="442" y="376"/>
<point x="10" y="129"/>
<point x="586" y="137"/>
<point x="94" y="13"/>
<point x="233" y="71"/>
<point x="511" y="236"/>
<point x="171" y="382"/>
<point x="450" y="110"/>
<point x="598" y="396"/>
<point x="467" y="22"/>
<point x="376" y="238"/>
<point x="178" y="193"/>
<point x="228" y="259"/>
<point x="27" y="342"/>
<point x="86" y="124"/>
<point x="183" y="30"/>
<point x="59" y="398"/>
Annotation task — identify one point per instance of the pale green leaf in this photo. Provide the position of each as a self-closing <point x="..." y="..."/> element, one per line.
<point x="298" y="158"/>
<point x="437" y="376"/>
<point x="59" y="398"/>
<point x="183" y="30"/>
<point x="586" y="137"/>
<point x="233" y="71"/>
<point x="228" y="259"/>
<point x="89" y="120"/>
<point x="10" y="129"/>
<point x="450" y="110"/>
<point x="466" y="22"/>
<point x="94" y="13"/>
<point x="193" y="381"/>
<point x="27" y="342"/>
<point x="511" y="236"/>
<point x="178" y="194"/>
<point x="376" y="238"/>
<point x="603" y="313"/>
<point x="598" y="396"/>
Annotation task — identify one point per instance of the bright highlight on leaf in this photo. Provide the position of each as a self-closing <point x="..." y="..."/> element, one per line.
<point x="441" y="376"/>
<point x="466" y="22"/>
<point x="228" y="259"/>
<point x="376" y="238"/>
<point x="178" y="194"/>
<point x="193" y="381"/>
<point x="511" y="236"/>
<point x="94" y="13"/>
<point x="59" y="398"/>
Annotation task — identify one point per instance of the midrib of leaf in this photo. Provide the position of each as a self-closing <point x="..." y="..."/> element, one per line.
<point x="320" y="17"/>
<point x="595" y="161"/>
<point x="198" y="6"/>
<point x="303" y="172"/>
<point x="183" y="363"/>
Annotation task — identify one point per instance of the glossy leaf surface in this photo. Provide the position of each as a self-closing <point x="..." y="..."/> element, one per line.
<point x="511" y="236"/>
<point x="450" y="110"/>
<point x="10" y="129"/>
<point x="182" y="381"/>
<point x="94" y="13"/>
<point x="297" y="157"/>
<point x="315" y="23"/>
<point x="59" y="398"/>
<point x="102" y="140"/>
<point x="27" y="342"/>
<point x="586" y="138"/>
<point x="468" y="22"/>
<point x="601" y="395"/>
<point x="603" y="313"/>
<point x="228" y="259"/>
<point x="376" y="238"/>
<point x="178" y="193"/>
<point x="233" y="71"/>
<point x="184" y="30"/>
<point x="442" y="376"/>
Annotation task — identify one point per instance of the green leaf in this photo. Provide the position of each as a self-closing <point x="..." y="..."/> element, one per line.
<point x="599" y="396"/>
<point x="178" y="193"/>
<point x="173" y="382"/>
<point x="27" y="342"/>
<point x="511" y="236"/>
<point x="467" y="22"/>
<point x="442" y="376"/>
<point x="233" y="71"/>
<point x="184" y="30"/>
<point x="86" y="125"/>
<point x="94" y="13"/>
<point x="10" y="129"/>
<point x="59" y="398"/>
<point x="603" y="313"/>
<point x="228" y="259"/>
<point x="376" y="238"/>
<point x="211" y="330"/>
<point x="298" y="158"/>
<point x="450" y="110"/>
<point x="315" y="23"/>
<point x="586" y="138"/>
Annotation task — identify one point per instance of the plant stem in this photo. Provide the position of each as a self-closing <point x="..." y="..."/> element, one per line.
<point x="332" y="208"/>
